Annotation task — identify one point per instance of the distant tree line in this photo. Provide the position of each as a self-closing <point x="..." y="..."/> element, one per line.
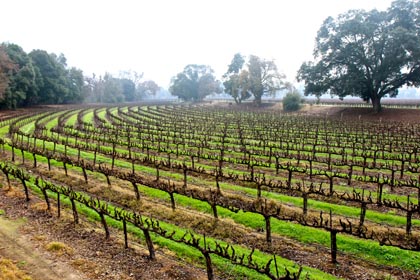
<point x="128" y="87"/>
<point x="39" y="77"/>
<point x="242" y="81"/>
<point x="367" y="54"/>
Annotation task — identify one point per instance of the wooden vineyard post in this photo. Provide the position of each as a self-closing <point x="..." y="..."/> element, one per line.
<point x="379" y="191"/>
<point x="267" y="219"/>
<point x="94" y="155"/>
<point x="213" y="197"/>
<point x="84" y="173"/>
<point x="310" y="168"/>
<point x="171" y="195"/>
<point x="409" y="223"/>
<point x="185" y="170"/>
<point x="49" y="161"/>
<point x="350" y="174"/>
<point x="34" y="156"/>
<point x="58" y="205"/>
<point x="363" y="207"/>
<point x="305" y="202"/>
<point x="65" y="167"/>
<point x="13" y="152"/>
<point x="289" y="177"/>
<point x="157" y="171"/>
<point x="277" y="164"/>
<point x="410" y="213"/>
<point x="113" y="156"/>
<point x="333" y="237"/>
<point x="218" y="185"/>
<point x="258" y="189"/>
<point x="125" y="233"/>
<point x="23" y="155"/>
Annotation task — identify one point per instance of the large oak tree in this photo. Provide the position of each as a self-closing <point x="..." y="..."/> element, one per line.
<point x="366" y="54"/>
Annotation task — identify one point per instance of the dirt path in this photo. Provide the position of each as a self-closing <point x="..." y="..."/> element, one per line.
<point x="26" y="229"/>
<point x="19" y="247"/>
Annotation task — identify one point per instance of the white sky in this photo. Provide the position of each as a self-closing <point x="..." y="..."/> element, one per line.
<point x="160" y="37"/>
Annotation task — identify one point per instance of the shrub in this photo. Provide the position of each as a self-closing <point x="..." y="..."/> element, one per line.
<point x="292" y="101"/>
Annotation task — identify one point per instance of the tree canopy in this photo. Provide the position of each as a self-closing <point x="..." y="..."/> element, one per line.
<point x="37" y="78"/>
<point x="7" y="68"/>
<point x="367" y="54"/>
<point x="194" y="83"/>
<point x="256" y="78"/>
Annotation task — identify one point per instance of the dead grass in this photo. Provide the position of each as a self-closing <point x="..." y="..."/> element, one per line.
<point x="59" y="248"/>
<point x="10" y="271"/>
<point x="15" y="192"/>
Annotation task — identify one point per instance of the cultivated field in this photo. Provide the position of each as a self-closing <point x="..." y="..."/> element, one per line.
<point x="239" y="194"/>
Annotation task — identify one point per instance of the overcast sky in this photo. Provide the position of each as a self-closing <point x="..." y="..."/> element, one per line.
<point x="161" y="37"/>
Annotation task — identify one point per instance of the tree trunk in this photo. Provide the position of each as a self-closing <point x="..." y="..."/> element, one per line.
<point x="172" y="200"/>
<point x="210" y="273"/>
<point x="376" y="103"/>
<point x="214" y="208"/>
<point x="333" y="235"/>
<point x="268" y="229"/>
<point x="44" y="192"/>
<point x="125" y="234"/>
<point x="26" y="189"/>
<point x="257" y="99"/>
<point x="305" y="203"/>
<point x="75" y="214"/>
<point x="105" y="225"/>
<point x="152" y="255"/>
<point x="136" y="190"/>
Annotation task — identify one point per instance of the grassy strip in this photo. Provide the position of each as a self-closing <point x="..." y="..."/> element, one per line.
<point x="288" y="229"/>
<point x="186" y="252"/>
<point x="373" y="216"/>
<point x="366" y="249"/>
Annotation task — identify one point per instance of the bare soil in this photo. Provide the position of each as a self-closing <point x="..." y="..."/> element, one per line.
<point x="364" y="114"/>
<point x="27" y="228"/>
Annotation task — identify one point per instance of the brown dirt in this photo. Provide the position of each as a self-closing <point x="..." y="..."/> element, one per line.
<point x="27" y="228"/>
<point x="364" y="114"/>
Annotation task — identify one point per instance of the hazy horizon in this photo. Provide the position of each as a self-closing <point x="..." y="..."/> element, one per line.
<point x="159" y="38"/>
